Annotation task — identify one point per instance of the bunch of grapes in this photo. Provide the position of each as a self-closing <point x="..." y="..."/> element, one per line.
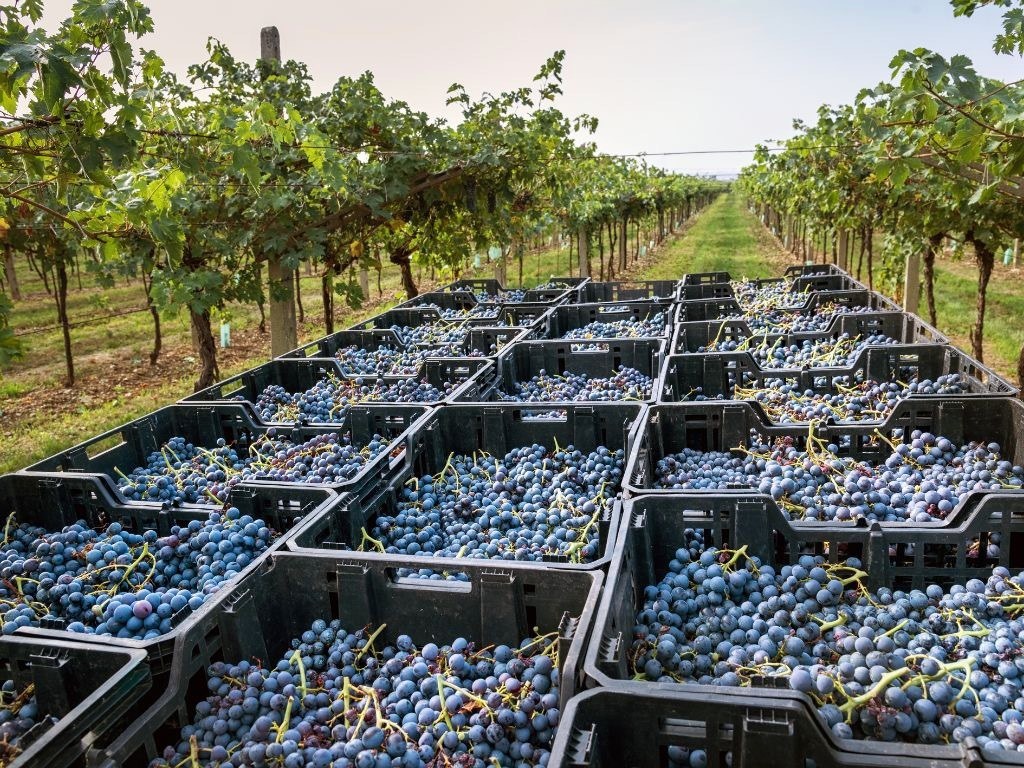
<point x="119" y="582"/>
<point x="920" y="481"/>
<point x="329" y="400"/>
<point x="626" y="384"/>
<point x="183" y="472"/>
<point x="532" y="504"/>
<point x="343" y="698"/>
<point x="932" y="666"/>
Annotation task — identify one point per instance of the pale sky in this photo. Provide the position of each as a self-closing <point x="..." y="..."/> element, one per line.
<point x="660" y="75"/>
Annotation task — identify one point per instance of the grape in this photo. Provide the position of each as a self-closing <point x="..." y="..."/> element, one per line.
<point x="851" y="400"/>
<point x="920" y="481"/>
<point x="530" y="504"/>
<point x="655" y="325"/>
<point x="19" y="713"/>
<point x="920" y="666"/>
<point x="388" y="361"/>
<point x="338" y="700"/>
<point x="626" y="384"/>
<point x="331" y="397"/>
<point x="119" y="582"/>
<point x="841" y="351"/>
<point x="183" y="472"/>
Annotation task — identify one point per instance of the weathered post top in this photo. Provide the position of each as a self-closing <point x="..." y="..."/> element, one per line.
<point x="270" y="44"/>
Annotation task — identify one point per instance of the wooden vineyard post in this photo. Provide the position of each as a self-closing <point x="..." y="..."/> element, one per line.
<point x="283" y="332"/>
<point x="912" y="282"/>
<point x="844" y="243"/>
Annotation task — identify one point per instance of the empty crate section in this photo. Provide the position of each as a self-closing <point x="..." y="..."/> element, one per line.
<point x="633" y="290"/>
<point x="479" y="489"/>
<point x="267" y="633"/>
<point x="194" y="454"/>
<point x="917" y="467"/>
<point x="649" y="726"/>
<point x="285" y="391"/>
<point x="61" y="698"/>
<point x="858" y="300"/>
<point x="866" y="391"/>
<point x="563" y="370"/>
<point x="79" y="564"/>
<point x="739" y="335"/>
<point x="603" y="321"/>
<point x="383" y="352"/>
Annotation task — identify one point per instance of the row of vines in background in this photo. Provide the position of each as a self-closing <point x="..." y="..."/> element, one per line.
<point x="931" y="159"/>
<point x="219" y="186"/>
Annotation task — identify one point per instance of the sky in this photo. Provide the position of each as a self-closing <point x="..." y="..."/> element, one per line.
<point x="660" y="75"/>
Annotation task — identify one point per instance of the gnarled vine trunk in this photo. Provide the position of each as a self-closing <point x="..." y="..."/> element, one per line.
<point x="147" y="283"/>
<point x="327" y="291"/>
<point x="202" y="332"/>
<point x="402" y="256"/>
<point x="61" y="296"/>
<point x="986" y="259"/>
<point x="934" y="243"/>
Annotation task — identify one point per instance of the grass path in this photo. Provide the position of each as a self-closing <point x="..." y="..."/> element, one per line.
<point x="723" y="238"/>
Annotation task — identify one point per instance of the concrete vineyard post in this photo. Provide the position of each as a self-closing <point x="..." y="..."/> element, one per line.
<point x="283" y="331"/>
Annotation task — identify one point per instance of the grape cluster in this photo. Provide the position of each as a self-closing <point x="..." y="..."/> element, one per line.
<point x="626" y="384"/>
<point x="513" y="296"/>
<point x="788" y="321"/>
<point x="329" y="399"/>
<point x="441" y="333"/>
<point x="336" y="700"/>
<point x="754" y="298"/>
<point x="19" y="713"/>
<point x="388" y="361"/>
<point x="183" y="472"/>
<point x="117" y="582"/>
<point x="920" y="481"/>
<point x="928" y="667"/>
<point x="552" y="285"/>
<point x="621" y="329"/>
<point x="818" y="353"/>
<point x="531" y="504"/>
<point x="784" y="402"/>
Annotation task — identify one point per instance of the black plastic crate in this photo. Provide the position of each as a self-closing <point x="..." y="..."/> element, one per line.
<point x="631" y="290"/>
<point x="724" y="308"/>
<point x="601" y="358"/>
<point x="128" y="446"/>
<point x="464" y="429"/>
<point x="633" y="725"/>
<point x="721" y="426"/>
<point x="491" y="311"/>
<point x="716" y="374"/>
<point x="55" y="501"/>
<point x="892" y="556"/>
<point x="284" y="597"/>
<point x="297" y="375"/>
<point x="696" y="336"/>
<point x="798" y="270"/>
<point x="800" y="285"/>
<point x="88" y="692"/>
<point x="569" y="317"/>
<point x="566" y="290"/>
<point x="532" y="316"/>
<point x="479" y="342"/>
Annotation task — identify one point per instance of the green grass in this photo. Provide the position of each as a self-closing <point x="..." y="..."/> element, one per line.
<point x="723" y="238"/>
<point x="956" y="290"/>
